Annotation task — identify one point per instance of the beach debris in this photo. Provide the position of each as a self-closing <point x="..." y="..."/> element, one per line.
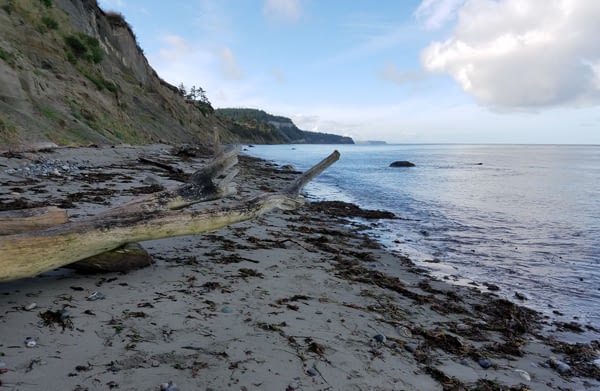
<point x="484" y="363"/>
<point x="60" y="317"/>
<point x="246" y="272"/>
<point x="96" y="296"/>
<point x="226" y="310"/>
<point x="169" y="386"/>
<point x="30" y="342"/>
<point x="30" y="306"/>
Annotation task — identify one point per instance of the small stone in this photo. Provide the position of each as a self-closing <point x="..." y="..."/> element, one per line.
<point x="562" y="367"/>
<point x="96" y="296"/>
<point x="170" y="386"/>
<point x="226" y="310"/>
<point x="30" y="306"/>
<point x="155" y="363"/>
<point x="523" y="374"/>
<point x="312" y="372"/>
<point x="484" y="363"/>
<point x="520" y="296"/>
<point x="410" y="347"/>
<point x="380" y="338"/>
<point x="463" y="327"/>
<point x="30" y="342"/>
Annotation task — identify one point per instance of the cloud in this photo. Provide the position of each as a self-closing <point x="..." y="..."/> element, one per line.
<point x="229" y="66"/>
<point x="433" y="14"/>
<point x="523" y="54"/>
<point x="393" y="74"/>
<point x="176" y="48"/>
<point x="282" y="11"/>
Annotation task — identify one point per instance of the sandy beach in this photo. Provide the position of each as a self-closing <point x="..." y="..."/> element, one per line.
<point x="297" y="300"/>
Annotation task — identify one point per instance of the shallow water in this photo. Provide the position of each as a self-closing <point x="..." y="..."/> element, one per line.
<point x="523" y="217"/>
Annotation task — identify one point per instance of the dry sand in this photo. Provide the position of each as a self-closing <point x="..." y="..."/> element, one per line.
<point x="290" y="301"/>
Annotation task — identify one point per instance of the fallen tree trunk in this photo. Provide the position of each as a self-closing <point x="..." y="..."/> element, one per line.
<point x="155" y="217"/>
<point x="25" y="220"/>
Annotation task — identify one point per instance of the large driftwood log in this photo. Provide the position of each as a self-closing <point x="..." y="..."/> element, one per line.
<point x="154" y="217"/>
<point x="25" y="220"/>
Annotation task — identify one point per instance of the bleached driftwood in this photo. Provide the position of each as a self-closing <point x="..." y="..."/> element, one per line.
<point x="152" y="217"/>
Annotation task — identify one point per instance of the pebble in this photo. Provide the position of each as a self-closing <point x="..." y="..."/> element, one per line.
<point x="404" y="331"/>
<point x="380" y="338"/>
<point x="523" y="374"/>
<point x="562" y="367"/>
<point x="30" y="342"/>
<point x="96" y="296"/>
<point x="46" y="167"/>
<point x="463" y="327"/>
<point x="30" y="306"/>
<point x="226" y="310"/>
<point x="484" y="363"/>
<point x="312" y="372"/>
<point x="170" y="386"/>
<point x="410" y="347"/>
<point x="155" y="363"/>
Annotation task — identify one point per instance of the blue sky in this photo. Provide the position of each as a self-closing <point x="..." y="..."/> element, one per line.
<point x="407" y="71"/>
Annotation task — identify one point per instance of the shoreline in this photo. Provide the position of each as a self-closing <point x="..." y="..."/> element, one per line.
<point x="289" y="301"/>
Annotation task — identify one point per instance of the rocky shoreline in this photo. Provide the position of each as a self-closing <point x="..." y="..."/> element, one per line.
<point x="297" y="300"/>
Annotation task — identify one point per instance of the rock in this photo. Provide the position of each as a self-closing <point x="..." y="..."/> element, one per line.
<point x="312" y="372"/>
<point x="380" y="338"/>
<point x="410" y="347"/>
<point x="226" y="310"/>
<point x="402" y="163"/>
<point x="484" y="363"/>
<point x="560" y="366"/>
<point x="520" y="296"/>
<point x="30" y="342"/>
<point x="170" y="386"/>
<point x="96" y="296"/>
<point x="523" y="374"/>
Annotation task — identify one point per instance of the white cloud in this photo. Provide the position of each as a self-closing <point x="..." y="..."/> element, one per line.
<point x="523" y="54"/>
<point x="176" y="48"/>
<point x="282" y="10"/>
<point x="433" y="14"/>
<point x="229" y="65"/>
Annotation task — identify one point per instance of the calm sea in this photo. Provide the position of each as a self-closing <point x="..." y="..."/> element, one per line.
<point x="523" y="217"/>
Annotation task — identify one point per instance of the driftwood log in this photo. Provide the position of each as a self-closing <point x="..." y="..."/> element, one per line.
<point x="156" y="216"/>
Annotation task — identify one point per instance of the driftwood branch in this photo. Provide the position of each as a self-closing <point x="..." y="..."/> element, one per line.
<point x="154" y="217"/>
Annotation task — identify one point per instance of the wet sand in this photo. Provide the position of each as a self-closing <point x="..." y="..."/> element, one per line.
<point x="297" y="300"/>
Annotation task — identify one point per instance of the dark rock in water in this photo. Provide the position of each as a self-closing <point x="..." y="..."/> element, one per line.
<point x="402" y="163"/>
<point x="520" y="296"/>
<point x="491" y="287"/>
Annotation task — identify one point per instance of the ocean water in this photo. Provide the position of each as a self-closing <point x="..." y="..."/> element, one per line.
<point x="523" y="217"/>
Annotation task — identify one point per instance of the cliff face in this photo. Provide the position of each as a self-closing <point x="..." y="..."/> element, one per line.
<point x="276" y="129"/>
<point x="70" y="73"/>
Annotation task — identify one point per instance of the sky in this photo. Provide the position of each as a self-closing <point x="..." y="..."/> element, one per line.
<point x="401" y="71"/>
